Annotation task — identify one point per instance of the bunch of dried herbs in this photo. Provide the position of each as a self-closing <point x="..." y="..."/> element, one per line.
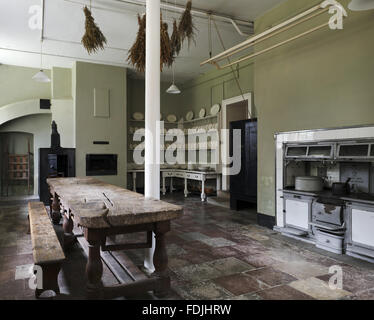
<point x="176" y="42"/>
<point x="186" y="27"/>
<point x="136" y="54"/>
<point x="167" y="58"/>
<point x="93" y="39"/>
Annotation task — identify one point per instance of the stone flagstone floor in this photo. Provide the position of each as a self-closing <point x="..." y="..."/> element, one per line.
<point x="214" y="253"/>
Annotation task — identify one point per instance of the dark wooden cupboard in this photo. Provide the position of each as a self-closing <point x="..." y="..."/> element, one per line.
<point x="243" y="186"/>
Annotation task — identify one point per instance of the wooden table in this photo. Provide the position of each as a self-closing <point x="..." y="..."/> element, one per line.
<point x="102" y="210"/>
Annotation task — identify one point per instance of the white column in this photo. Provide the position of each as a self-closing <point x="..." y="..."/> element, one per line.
<point x="152" y="112"/>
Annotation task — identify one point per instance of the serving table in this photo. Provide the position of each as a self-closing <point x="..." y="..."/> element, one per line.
<point x="102" y="211"/>
<point x="202" y="176"/>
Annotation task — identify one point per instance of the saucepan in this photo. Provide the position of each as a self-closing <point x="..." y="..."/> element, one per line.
<point x="341" y="188"/>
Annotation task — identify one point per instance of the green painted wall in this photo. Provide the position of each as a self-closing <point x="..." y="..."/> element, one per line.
<point x="61" y="83"/>
<point x="169" y="103"/>
<point x="322" y="80"/>
<point x="215" y="86"/>
<point x="86" y="78"/>
<point x="16" y="84"/>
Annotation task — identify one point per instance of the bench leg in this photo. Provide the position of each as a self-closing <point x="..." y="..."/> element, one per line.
<point x="50" y="279"/>
<point x="160" y="259"/>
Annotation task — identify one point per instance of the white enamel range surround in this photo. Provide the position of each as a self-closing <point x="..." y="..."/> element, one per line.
<point x="309" y="136"/>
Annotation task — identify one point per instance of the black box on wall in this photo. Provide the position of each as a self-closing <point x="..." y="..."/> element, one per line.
<point x="101" y="164"/>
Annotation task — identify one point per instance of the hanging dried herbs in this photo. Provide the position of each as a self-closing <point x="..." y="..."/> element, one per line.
<point x="186" y="27"/>
<point x="136" y="54"/>
<point x="167" y="58"/>
<point x="176" y="43"/>
<point x="93" y="39"/>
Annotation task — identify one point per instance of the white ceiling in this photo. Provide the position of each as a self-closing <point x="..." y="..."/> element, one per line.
<point x="64" y="27"/>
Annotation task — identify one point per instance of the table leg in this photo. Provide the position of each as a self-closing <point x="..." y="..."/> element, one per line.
<point x="94" y="269"/>
<point x="203" y="195"/>
<point x="171" y="185"/>
<point x="134" y="181"/>
<point x="163" y="184"/>
<point x="67" y="226"/>
<point x="160" y="259"/>
<point x="185" y="188"/>
<point x="55" y="209"/>
<point x="218" y="182"/>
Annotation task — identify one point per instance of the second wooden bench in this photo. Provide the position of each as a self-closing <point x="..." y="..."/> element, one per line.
<point x="46" y="248"/>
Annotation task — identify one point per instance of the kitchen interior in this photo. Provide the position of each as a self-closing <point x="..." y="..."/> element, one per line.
<point x="296" y="88"/>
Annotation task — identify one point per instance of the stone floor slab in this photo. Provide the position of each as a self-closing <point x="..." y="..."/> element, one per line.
<point x="271" y="276"/>
<point x="218" y="242"/>
<point x="203" y="291"/>
<point x="318" y="289"/>
<point x="240" y="283"/>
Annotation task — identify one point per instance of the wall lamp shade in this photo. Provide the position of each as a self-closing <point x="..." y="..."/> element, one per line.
<point x="361" y="5"/>
<point x="41" y="77"/>
<point x="173" y="89"/>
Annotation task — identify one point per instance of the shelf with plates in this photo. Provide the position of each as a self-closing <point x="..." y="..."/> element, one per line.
<point x="209" y="124"/>
<point x="143" y="121"/>
<point x="210" y="117"/>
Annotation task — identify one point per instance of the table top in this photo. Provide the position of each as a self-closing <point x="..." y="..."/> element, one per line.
<point x="96" y="204"/>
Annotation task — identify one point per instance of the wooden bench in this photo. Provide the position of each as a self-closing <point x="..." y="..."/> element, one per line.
<point x="46" y="248"/>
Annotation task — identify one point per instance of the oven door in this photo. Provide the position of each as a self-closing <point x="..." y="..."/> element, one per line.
<point x="327" y="213"/>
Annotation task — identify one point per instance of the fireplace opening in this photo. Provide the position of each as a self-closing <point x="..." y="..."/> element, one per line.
<point x="101" y="164"/>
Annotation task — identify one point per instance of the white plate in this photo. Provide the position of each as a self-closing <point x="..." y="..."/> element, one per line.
<point x="171" y="118"/>
<point x="215" y="109"/>
<point x="189" y="115"/>
<point x="138" y="116"/>
<point x="202" y="113"/>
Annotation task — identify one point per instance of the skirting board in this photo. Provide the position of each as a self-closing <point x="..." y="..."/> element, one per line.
<point x="358" y="256"/>
<point x="265" y="220"/>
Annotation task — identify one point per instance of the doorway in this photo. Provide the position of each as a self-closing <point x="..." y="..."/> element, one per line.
<point x="16" y="164"/>
<point x="233" y="109"/>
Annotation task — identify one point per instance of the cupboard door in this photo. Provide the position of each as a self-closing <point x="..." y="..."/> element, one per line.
<point x="251" y="159"/>
<point x="237" y="182"/>
<point x="363" y="227"/>
<point x="297" y="214"/>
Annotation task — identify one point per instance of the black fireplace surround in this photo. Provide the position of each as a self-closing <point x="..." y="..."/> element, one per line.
<point x="101" y="164"/>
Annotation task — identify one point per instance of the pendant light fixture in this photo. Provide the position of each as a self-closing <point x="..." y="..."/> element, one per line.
<point x="173" y="89"/>
<point x="361" y="5"/>
<point x="41" y="76"/>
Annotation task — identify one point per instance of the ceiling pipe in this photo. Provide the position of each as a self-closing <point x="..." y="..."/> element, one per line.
<point x="42" y="29"/>
<point x="199" y="12"/>
<point x="169" y="7"/>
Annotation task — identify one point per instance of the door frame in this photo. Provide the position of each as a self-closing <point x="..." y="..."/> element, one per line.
<point x="226" y="146"/>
